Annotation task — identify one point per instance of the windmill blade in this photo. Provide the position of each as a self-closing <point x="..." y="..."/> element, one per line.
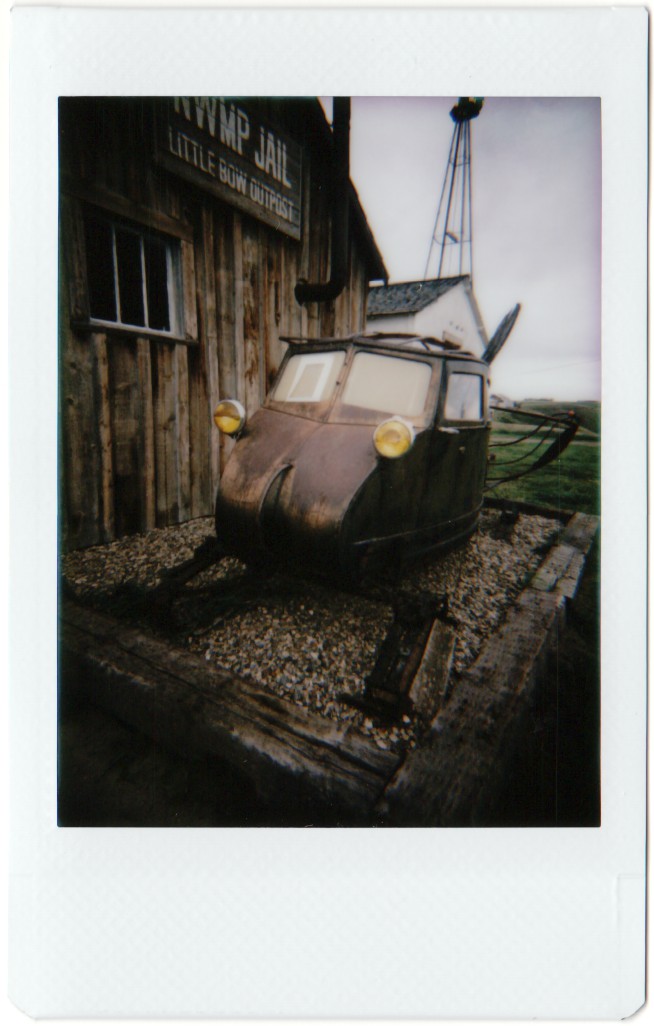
<point x="502" y="332"/>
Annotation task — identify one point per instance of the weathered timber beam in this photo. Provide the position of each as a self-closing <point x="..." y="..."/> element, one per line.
<point x="452" y="779"/>
<point x="174" y="696"/>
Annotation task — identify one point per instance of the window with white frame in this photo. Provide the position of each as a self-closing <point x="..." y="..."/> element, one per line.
<point x="309" y="377"/>
<point x="133" y="276"/>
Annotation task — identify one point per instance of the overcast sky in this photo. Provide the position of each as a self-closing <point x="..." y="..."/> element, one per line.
<point x="536" y="195"/>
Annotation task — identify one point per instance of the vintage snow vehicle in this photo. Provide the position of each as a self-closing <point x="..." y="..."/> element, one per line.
<point x="373" y="449"/>
<point x="368" y="449"/>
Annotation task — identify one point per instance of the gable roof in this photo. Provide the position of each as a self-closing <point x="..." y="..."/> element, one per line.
<point x="409" y="297"/>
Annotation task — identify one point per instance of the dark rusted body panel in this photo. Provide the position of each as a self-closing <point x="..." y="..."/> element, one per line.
<point x="285" y="492"/>
<point x="312" y="490"/>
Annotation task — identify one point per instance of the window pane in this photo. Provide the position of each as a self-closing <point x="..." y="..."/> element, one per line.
<point x="100" y="270"/>
<point x="309" y="377"/>
<point x="387" y="384"/>
<point x="156" y="276"/>
<point x="133" y="275"/>
<point x="464" y="397"/>
<point x="130" y="277"/>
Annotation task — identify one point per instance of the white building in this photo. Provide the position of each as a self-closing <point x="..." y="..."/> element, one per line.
<point x="441" y="308"/>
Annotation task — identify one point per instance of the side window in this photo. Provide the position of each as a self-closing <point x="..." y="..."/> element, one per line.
<point x="133" y="276"/>
<point x="465" y="397"/>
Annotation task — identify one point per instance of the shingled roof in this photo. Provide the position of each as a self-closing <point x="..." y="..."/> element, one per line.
<point x="408" y="297"/>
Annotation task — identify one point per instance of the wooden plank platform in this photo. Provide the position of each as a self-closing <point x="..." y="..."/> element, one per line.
<point x="294" y="756"/>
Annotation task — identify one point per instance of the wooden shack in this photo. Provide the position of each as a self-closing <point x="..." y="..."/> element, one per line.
<point x="185" y="225"/>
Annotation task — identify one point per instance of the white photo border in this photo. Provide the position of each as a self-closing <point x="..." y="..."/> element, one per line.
<point x="238" y="923"/>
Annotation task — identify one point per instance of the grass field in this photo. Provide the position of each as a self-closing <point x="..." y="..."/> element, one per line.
<point x="588" y="413"/>
<point x="571" y="482"/>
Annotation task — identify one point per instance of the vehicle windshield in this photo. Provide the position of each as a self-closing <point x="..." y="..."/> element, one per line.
<point x="309" y="377"/>
<point x="387" y="384"/>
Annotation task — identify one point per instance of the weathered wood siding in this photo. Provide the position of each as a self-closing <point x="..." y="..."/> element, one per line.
<point x="139" y="449"/>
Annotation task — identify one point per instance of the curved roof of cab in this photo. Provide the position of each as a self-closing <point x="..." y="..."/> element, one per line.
<point x="396" y="340"/>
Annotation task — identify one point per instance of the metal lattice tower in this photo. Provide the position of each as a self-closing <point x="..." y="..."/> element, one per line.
<point x="452" y="235"/>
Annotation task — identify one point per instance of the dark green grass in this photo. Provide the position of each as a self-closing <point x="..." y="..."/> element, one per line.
<point x="571" y="482"/>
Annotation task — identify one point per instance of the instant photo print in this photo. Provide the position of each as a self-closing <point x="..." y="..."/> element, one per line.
<point x="328" y="391"/>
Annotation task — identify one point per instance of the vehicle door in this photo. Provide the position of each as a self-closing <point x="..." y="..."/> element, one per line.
<point x="453" y="485"/>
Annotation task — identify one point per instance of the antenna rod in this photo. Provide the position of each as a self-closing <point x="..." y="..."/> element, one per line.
<point x="470" y="200"/>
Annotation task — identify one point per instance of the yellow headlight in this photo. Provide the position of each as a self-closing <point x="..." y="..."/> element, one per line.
<point x="229" y="416"/>
<point x="393" y="437"/>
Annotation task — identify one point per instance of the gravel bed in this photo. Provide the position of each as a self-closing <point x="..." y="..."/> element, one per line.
<point x="305" y="641"/>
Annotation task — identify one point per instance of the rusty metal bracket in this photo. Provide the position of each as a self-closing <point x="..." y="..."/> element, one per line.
<point x="161" y="599"/>
<point x="413" y="662"/>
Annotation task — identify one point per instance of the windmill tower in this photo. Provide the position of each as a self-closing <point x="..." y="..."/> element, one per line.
<point x="443" y="304"/>
<point x="450" y="250"/>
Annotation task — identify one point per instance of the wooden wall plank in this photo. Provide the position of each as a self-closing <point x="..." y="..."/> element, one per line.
<point x="251" y="319"/>
<point x="352" y="308"/>
<point x="171" y="194"/>
<point x="270" y="286"/>
<point x="166" y="494"/>
<point x="112" y="154"/>
<point x="208" y="440"/>
<point x="107" y="524"/>
<point x="300" y="263"/>
<point x="318" y="234"/>
<point x="321" y="248"/>
<point x="189" y="299"/>
<point x="346" y="304"/>
<point x="201" y="442"/>
<point x="224" y="232"/>
<point x="73" y="259"/>
<point x="341" y="325"/>
<point x="146" y="441"/>
<point x="150" y="216"/>
<point x="199" y="458"/>
<point x="182" y="439"/>
<point x="293" y="314"/>
<point x="304" y="266"/>
<point x="80" y="450"/>
<point x="127" y="437"/>
<point x="285" y="321"/>
<point x="239" y="344"/>
<point x="266" y="307"/>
